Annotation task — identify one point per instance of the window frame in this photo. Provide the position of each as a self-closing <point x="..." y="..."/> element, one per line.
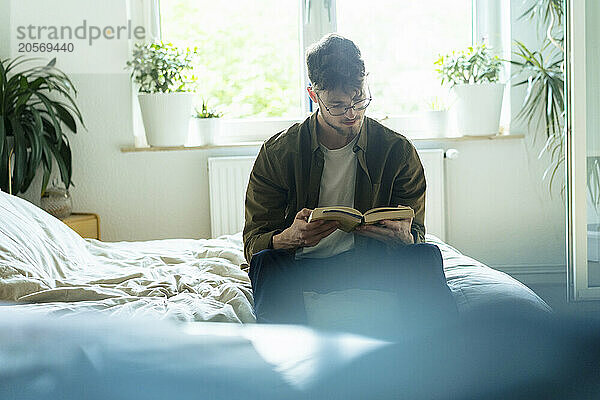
<point x="318" y="18"/>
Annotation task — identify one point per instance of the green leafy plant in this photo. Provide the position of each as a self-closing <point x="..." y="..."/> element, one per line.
<point x="436" y="104"/>
<point x="205" y="112"/>
<point x="35" y="123"/>
<point x="543" y="108"/>
<point x="162" y="68"/>
<point x="474" y="65"/>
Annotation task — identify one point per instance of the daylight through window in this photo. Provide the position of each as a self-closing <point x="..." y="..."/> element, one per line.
<point x="250" y="62"/>
<point x="249" y="53"/>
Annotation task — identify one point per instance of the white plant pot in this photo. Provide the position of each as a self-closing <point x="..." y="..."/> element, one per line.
<point x="166" y="117"/>
<point x="207" y="130"/>
<point x="478" y="108"/>
<point x="436" y="123"/>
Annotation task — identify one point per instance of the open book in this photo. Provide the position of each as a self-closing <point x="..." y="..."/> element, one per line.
<point x="351" y="218"/>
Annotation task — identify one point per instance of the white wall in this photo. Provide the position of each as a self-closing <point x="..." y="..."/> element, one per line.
<point x="498" y="210"/>
<point x="137" y="195"/>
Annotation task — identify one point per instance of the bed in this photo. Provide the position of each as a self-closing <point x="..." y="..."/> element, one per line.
<point x="174" y="318"/>
<point x="48" y="268"/>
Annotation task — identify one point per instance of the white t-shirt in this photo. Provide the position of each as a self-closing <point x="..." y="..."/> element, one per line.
<point x="336" y="189"/>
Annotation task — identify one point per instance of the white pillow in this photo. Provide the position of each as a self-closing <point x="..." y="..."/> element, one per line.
<point x="36" y="249"/>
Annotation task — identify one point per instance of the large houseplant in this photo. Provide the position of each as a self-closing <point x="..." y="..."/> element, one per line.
<point x="544" y="106"/>
<point x="37" y="108"/>
<point x="473" y="76"/>
<point x="162" y="72"/>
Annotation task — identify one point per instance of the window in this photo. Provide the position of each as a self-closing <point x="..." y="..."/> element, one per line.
<point x="251" y="60"/>
<point x="249" y="53"/>
<point x="399" y="41"/>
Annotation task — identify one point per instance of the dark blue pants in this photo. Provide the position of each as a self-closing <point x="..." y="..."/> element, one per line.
<point x="414" y="273"/>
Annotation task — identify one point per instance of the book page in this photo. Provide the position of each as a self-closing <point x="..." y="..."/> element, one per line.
<point x="348" y="217"/>
<point x="384" y="209"/>
<point x="378" y="214"/>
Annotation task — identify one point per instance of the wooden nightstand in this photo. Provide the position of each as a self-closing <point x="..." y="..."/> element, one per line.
<point x="86" y="225"/>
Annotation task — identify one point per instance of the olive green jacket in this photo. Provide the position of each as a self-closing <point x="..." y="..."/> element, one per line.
<point x="286" y="177"/>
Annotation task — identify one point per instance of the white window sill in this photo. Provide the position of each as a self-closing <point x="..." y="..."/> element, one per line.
<point x="252" y="132"/>
<point x="132" y="149"/>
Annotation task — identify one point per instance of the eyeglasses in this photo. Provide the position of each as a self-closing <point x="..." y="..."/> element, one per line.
<point x="337" y="111"/>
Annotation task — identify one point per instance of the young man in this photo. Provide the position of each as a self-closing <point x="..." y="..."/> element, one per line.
<point x="337" y="157"/>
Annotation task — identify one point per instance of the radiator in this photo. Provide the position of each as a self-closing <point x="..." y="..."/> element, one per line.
<point x="227" y="182"/>
<point x="435" y="199"/>
<point x="228" y="178"/>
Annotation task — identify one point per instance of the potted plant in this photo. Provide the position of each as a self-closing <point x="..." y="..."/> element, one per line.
<point x="473" y="76"/>
<point x="162" y="72"/>
<point x="37" y="109"/>
<point x="207" y="124"/>
<point x="542" y="71"/>
<point x="436" y="118"/>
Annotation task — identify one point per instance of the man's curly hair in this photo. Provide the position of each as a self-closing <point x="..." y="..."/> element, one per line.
<point x="335" y="62"/>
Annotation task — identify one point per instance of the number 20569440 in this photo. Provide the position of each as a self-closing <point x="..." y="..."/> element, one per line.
<point x="45" y="47"/>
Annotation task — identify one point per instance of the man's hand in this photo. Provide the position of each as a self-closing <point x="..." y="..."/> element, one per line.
<point x="303" y="234"/>
<point x="391" y="232"/>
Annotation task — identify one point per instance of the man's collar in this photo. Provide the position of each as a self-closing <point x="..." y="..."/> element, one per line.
<point x="312" y="126"/>
<point x="362" y="136"/>
<point x="314" y="141"/>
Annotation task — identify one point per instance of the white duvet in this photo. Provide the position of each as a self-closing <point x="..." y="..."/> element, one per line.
<point x="47" y="267"/>
<point x="477" y="287"/>
<point x="44" y="261"/>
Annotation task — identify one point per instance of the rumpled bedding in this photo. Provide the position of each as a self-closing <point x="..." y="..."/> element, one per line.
<point x="46" y="267"/>
<point x="477" y="287"/>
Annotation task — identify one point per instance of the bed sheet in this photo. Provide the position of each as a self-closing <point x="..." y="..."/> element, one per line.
<point x="99" y="357"/>
<point x="477" y="287"/>
<point x="47" y="267"/>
